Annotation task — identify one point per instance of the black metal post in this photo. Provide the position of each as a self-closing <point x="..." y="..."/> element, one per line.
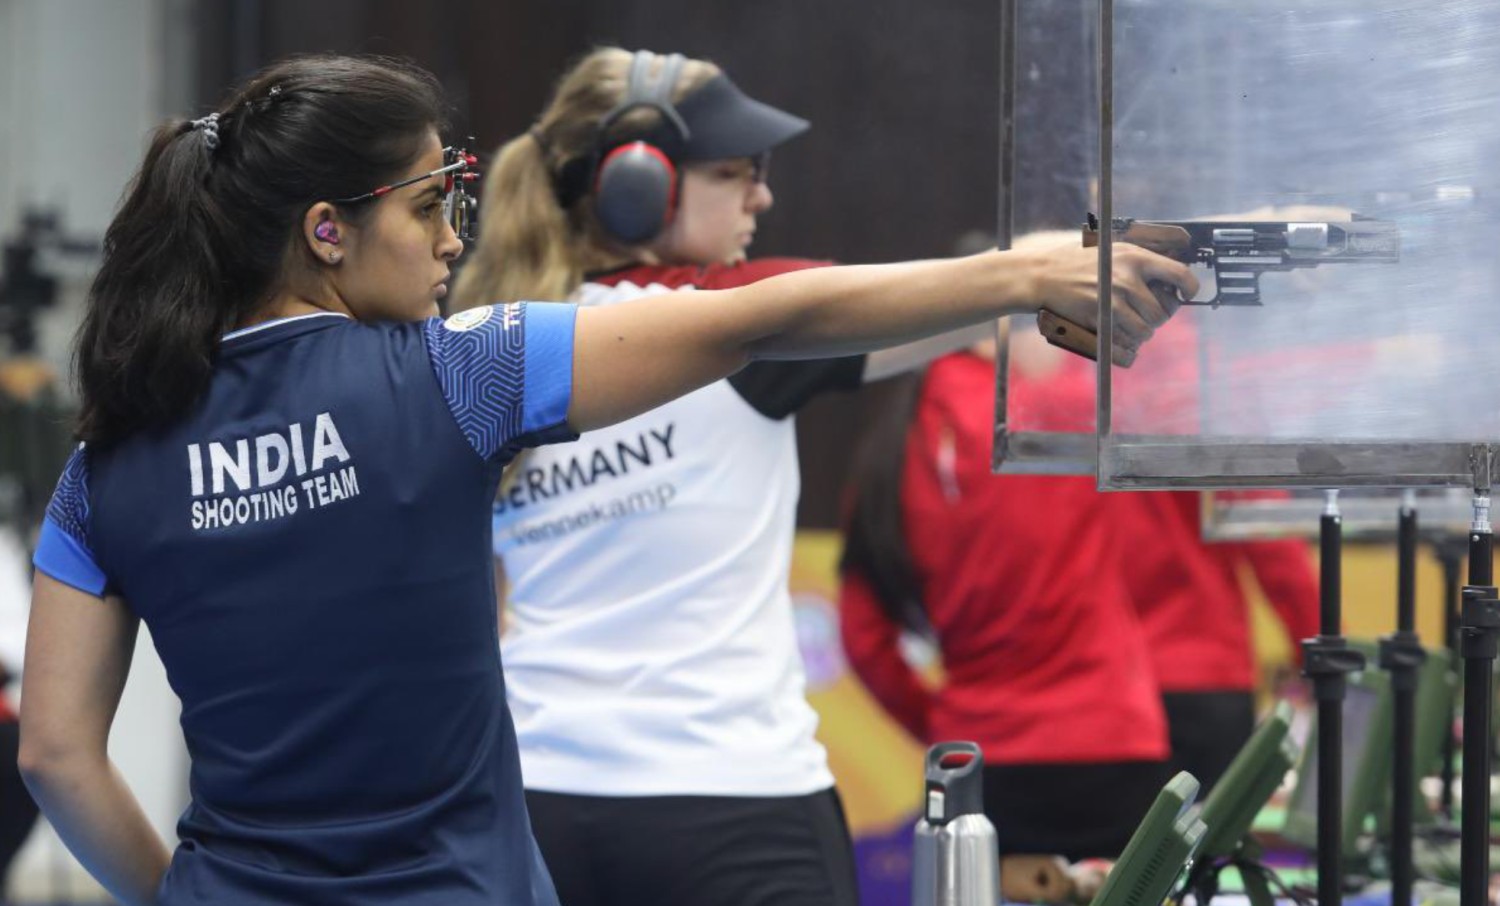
<point x="1477" y="646"/>
<point x="1327" y="661"/>
<point x="1451" y="551"/>
<point x="1402" y="655"/>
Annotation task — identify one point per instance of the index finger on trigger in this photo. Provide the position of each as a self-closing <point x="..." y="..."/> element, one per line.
<point x="1129" y="276"/>
<point x="1161" y="269"/>
<point x="1167" y="296"/>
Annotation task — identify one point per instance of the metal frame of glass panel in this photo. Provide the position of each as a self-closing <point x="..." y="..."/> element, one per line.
<point x="1124" y="461"/>
<point x="1020" y="451"/>
<point x="1139" y="461"/>
<point x="1033" y="452"/>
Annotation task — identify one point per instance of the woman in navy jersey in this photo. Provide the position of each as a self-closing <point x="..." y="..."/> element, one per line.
<point x="288" y="469"/>
<point x="652" y="666"/>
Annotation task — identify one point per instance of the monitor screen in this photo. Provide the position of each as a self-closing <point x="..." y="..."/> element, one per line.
<point x="1256" y="772"/>
<point x="1361" y="708"/>
<point x="1366" y="762"/>
<point x="1158" y="851"/>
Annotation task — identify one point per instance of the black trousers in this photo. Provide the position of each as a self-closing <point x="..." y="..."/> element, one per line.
<point x="17" y="810"/>
<point x="1208" y="729"/>
<point x="696" y="850"/>
<point x="1078" y="811"/>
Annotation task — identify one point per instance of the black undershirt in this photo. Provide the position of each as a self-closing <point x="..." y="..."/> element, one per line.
<point x="780" y="388"/>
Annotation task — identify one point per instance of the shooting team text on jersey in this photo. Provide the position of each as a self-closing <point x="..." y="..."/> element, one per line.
<point x="268" y="473"/>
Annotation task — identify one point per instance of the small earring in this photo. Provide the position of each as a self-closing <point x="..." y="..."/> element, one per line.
<point x="333" y="257"/>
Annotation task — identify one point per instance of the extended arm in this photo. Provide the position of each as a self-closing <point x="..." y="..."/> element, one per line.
<point x="78" y="651"/>
<point x="632" y="357"/>
<point x="886" y="363"/>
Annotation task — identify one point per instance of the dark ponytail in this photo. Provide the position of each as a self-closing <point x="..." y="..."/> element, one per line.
<point x="875" y="545"/>
<point x="207" y="226"/>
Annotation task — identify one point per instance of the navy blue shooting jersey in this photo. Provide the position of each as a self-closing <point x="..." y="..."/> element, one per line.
<point x="311" y="551"/>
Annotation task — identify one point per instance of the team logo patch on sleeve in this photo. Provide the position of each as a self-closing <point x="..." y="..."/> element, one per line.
<point x="468" y="320"/>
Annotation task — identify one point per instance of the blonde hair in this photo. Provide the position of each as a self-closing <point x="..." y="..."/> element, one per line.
<point x="529" y="246"/>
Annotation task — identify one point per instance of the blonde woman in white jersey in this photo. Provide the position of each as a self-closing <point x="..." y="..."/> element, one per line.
<point x="652" y="668"/>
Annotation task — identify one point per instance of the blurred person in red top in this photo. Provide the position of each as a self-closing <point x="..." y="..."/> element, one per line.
<point x="1188" y="592"/>
<point x="1017" y="579"/>
<point x="1192" y="603"/>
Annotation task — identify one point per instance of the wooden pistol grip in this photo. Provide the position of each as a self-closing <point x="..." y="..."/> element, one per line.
<point x="1064" y="334"/>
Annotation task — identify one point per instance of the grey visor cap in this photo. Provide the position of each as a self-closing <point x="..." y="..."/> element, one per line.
<point x="724" y="122"/>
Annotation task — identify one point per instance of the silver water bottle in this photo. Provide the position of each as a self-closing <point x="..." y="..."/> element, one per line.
<point x="955" y="859"/>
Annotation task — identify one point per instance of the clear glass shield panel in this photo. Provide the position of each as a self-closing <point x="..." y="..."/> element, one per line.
<point x="1045" y="397"/>
<point x="1329" y="169"/>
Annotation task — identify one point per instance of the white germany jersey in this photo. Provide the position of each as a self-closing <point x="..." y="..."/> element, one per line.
<point x="651" y="648"/>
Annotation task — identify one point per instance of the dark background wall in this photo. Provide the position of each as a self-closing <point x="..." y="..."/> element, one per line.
<point x="903" y="96"/>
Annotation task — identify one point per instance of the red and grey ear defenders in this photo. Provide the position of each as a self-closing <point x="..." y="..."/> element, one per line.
<point x="635" y="183"/>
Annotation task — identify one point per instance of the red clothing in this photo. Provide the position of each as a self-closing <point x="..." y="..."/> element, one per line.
<point x="1187" y="591"/>
<point x="1044" y="659"/>
<point x="1189" y="597"/>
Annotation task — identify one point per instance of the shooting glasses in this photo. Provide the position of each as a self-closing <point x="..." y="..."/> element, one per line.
<point x="460" y="206"/>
